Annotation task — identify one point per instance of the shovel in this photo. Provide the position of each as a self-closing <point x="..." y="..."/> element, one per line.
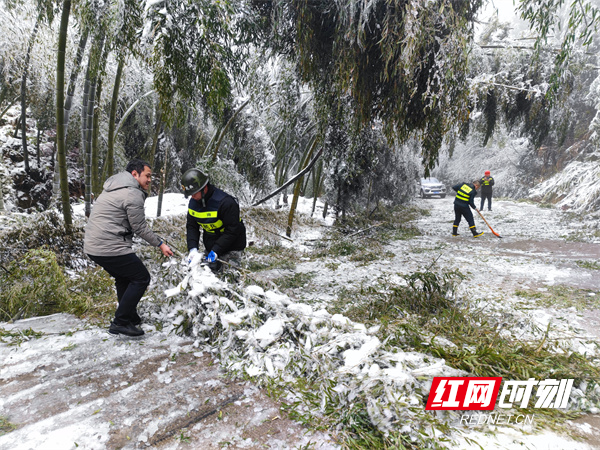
<point x="486" y="222"/>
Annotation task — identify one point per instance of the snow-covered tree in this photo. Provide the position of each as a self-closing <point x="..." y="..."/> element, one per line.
<point x="401" y="62"/>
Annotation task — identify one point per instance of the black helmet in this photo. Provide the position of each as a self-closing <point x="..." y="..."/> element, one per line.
<point x="193" y="181"/>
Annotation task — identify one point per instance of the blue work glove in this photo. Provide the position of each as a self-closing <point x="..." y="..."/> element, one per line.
<point x="211" y="257"/>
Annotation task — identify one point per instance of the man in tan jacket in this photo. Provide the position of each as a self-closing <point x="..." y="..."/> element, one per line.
<point x="116" y="216"/>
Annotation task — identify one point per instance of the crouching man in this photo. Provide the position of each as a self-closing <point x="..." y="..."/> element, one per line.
<point x="218" y="215"/>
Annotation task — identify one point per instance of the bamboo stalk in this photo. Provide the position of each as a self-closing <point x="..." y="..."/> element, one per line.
<point x="311" y="147"/>
<point x="60" y="103"/>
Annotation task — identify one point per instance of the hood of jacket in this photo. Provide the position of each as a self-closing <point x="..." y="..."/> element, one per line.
<point x="121" y="180"/>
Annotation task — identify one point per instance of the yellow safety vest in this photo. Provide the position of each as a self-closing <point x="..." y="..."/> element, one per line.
<point x="464" y="193"/>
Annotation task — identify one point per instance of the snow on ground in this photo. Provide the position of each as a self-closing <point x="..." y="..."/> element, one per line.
<point x="576" y="187"/>
<point x="540" y="248"/>
<point x="162" y="388"/>
<point x="79" y="387"/>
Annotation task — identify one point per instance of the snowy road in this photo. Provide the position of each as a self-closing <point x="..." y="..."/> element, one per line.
<point x="79" y="387"/>
<point x="540" y="248"/>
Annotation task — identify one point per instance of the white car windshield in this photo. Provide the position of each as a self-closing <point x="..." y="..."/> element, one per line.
<point x="429" y="180"/>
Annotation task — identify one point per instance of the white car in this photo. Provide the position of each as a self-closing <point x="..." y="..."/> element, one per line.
<point x="430" y="187"/>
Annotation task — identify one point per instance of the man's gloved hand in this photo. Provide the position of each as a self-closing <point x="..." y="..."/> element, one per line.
<point x="194" y="257"/>
<point x="193" y="252"/>
<point x="211" y="257"/>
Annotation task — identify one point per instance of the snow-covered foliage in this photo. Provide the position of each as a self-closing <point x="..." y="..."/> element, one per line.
<point x="594" y="98"/>
<point x="575" y="188"/>
<point x="282" y="103"/>
<point x="17" y="23"/>
<point x="365" y="171"/>
<point x="251" y="148"/>
<point x="569" y="26"/>
<point x="265" y="334"/>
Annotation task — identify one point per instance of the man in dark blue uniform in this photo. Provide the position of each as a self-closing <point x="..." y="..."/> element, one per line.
<point x="464" y="201"/>
<point x="217" y="214"/>
<point x="487" y="183"/>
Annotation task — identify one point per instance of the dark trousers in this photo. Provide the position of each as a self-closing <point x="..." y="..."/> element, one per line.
<point x="463" y="211"/>
<point x="487" y="195"/>
<point x="131" y="280"/>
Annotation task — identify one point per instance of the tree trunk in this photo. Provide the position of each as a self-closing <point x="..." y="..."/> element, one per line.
<point x="153" y="149"/>
<point x="17" y="127"/>
<point x="95" y="152"/>
<point x="24" y="93"/>
<point x="37" y="148"/>
<point x="291" y="180"/>
<point x="281" y="173"/>
<point x="96" y="182"/>
<point x="5" y="110"/>
<point x="225" y="128"/>
<point x="369" y="195"/>
<point x="74" y="75"/>
<point x="88" y="148"/>
<point x="308" y="154"/>
<point x="84" y="130"/>
<point x="130" y="110"/>
<point x="4" y="88"/>
<point x="109" y="162"/>
<point x="68" y="104"/>
<point x="317" y="185"/>
<point x="88" y="124"/>
<point x="60" y="113"/>
<point x="163" y="181"/>
<point x="1" y="195"/>
<point x="56" y="179"/>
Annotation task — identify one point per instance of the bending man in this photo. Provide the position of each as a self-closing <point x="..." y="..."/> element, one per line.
<point x="465" y="194"/>
<point x="116" y="216"/>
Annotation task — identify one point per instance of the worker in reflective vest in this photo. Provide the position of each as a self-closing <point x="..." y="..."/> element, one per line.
<point x="486" y="189"/>
<point x="464" y="201"/>
<point x="218" y="215"/>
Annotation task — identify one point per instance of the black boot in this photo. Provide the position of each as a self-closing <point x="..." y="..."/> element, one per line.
<point x="474" y="231"/>
<point x="454" y="230"/>
<point x="127" y="330"/>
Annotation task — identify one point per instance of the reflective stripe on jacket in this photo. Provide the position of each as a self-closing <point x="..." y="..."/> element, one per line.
<point x="465" y="194"/>
<point x="218" y="215"/>
<point x="486" y="185"/>
<point x="208" y="220"/>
